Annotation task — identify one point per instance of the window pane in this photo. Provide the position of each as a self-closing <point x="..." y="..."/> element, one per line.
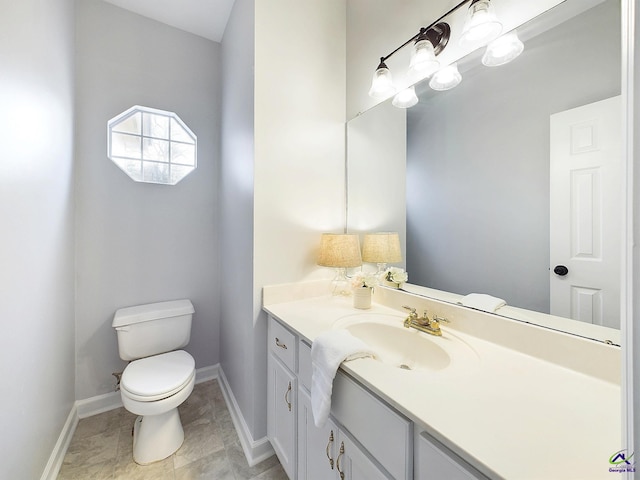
<point x="179" y="134"/>
<point x="183" y="154"/>
<point x="178" y="172"/>
<point x="130" y="124"/>
<point x="133" y="168"/>
<point x="155" y="150"/>
<point x="154" y="125"/>
<point x="123" y="145"/>
<point x="155" y="172"/>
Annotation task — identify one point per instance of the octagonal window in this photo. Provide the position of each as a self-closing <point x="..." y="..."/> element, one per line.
<point x="152" y="146"/>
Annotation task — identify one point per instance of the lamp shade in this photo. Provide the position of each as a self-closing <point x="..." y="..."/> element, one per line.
<point x="407" y="98"/>
<point x="382" y="247"/>
<point x="502" y="50"/>
<point x="446" y="78"/>
<point x="481" y="26"/>
<point x="340" y="250"/>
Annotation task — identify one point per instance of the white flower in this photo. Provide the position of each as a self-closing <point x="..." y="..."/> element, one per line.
<point x="395" y="275"/>
<point x="364" y="279"/>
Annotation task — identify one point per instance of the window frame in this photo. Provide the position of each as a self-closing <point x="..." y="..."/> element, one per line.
<point x="142" y="156"/>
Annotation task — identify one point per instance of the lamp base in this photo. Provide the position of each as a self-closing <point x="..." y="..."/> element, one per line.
<point x="340" y="285"/>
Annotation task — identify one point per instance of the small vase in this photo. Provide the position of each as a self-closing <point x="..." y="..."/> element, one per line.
<point x="362" y="297"/>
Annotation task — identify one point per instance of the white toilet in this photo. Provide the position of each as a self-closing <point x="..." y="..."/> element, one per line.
<point x="159" y="378"/>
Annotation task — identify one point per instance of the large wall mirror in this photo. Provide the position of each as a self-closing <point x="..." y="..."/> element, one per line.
<point x="514" y="172"/>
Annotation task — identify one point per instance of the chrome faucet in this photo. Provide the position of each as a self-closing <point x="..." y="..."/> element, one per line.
<point x="423" y="324"/>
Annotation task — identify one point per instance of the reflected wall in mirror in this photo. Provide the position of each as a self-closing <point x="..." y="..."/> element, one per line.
<point x="478" y="165"/>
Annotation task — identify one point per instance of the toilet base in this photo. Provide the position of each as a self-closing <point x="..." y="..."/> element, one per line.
<point x="156" y="437"/>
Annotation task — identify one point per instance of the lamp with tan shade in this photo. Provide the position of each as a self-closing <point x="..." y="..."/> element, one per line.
<point x="340" y="251"/>
<point x="381" y="248"/>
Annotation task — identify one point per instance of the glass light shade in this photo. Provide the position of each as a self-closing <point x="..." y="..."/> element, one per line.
<point x="423" y="60"/>
<point x="382" y="83"/>
<point x="406" y="98"/>
<point x="502" y="50"/>
<point x="481" y="26"/>
<point x="446" y="78"/>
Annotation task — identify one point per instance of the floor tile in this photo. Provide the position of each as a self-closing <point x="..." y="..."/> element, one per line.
<point x="102" y="446"/>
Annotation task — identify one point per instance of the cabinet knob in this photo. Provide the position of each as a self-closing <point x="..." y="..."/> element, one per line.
<point x="280" y="344"/>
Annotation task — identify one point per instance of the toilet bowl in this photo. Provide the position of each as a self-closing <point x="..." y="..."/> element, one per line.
<point x="153" y="388"/>
<point x="159" y="377"/>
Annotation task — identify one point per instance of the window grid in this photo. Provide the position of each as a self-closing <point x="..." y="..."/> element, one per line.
<point x="147" y="114"/>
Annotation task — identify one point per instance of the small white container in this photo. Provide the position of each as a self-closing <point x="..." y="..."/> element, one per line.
<point x="362" y="297"/>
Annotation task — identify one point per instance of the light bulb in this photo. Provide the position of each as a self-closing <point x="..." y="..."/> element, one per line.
<point x="446" y="78"/>
<point x="502" y="50"/>
<point x="406" y="98"/>
<point x="481" y="26"/>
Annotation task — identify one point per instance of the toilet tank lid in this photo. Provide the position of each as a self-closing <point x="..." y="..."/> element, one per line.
<point x="151" y="311"/>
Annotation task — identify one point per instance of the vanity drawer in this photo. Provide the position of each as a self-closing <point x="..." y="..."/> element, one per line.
<point x="304" y="365"/>
<point x="383" y="432"/>
<point x="282" y="343"/>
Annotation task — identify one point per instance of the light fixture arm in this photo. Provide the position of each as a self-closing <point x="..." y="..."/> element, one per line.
<point x="424" y="30"/>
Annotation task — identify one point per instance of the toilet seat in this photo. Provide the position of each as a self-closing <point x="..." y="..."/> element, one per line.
<point x="160" y="376"/>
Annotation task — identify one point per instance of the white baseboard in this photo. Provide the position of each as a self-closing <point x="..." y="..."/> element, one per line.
<point x="93" y="406"/>
<point x="60" y="449"/>
<point x="254" y="450"/>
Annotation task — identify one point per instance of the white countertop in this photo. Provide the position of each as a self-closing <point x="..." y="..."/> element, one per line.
<point x="510" y="415"/>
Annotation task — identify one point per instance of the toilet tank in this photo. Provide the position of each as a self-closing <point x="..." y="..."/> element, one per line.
<point x="151" y="329"/>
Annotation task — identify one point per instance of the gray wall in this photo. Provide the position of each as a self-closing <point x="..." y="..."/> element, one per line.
<point x="236" y="199"/>
<point x="137" y="242"/>
<point x="478" y="182"/>
<point x="36" y="240"/>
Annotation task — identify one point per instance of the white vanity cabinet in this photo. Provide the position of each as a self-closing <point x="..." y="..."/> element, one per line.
<point x="363" y="439"/>
<point x="282" y="387"/>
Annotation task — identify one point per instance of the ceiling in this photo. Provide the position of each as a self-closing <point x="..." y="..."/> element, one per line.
<point x="206" y="18"/>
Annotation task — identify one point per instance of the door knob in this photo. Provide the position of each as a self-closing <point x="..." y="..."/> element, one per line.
<point x="560" y="270"/>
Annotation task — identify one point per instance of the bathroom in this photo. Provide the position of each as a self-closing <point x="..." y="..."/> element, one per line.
<point x="81" y="240"/>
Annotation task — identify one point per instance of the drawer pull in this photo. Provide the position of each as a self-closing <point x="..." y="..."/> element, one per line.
<point x="328" y="446"/>
<point x="338" y="461"/>
<point x="280" y="344"/>
<point x="286" y="396"/>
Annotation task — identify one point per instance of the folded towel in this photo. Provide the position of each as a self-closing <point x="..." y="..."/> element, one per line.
<point x="328" y="351"/>
<point x="482" y="301"/>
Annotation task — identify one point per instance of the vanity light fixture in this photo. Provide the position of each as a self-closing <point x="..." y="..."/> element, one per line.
<point x="502" y="50"/>
<point x="340" y="251"/>
<point x="407" y="98"/>
<point x="446" y="78"/>
<point x="381" y="248"/>
<point x="481" y="26"/>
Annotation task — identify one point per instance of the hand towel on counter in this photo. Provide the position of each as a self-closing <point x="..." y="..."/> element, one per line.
<point x="328" y="351"/>
<point x="482" y="301"/>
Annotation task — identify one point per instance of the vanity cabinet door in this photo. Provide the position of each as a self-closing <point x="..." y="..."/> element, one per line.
<point x="316" y="446"/>
<point x="435" y="462"/>
<point x="353" y="463"/>
<point x="281" y="413"/>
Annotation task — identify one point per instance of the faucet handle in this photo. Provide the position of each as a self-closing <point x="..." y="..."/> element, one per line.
<point x="440" y="319"/>
<point x="411" y="309"/>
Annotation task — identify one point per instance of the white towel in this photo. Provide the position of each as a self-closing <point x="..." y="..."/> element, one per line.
<point x="482" y="301"/>
<point x="328" y="351"/>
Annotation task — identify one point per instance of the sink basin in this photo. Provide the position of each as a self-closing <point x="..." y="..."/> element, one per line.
<point x="404" y="348"/>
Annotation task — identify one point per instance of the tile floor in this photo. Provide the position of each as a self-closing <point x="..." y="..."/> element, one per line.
<point x="101" y="447"/>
